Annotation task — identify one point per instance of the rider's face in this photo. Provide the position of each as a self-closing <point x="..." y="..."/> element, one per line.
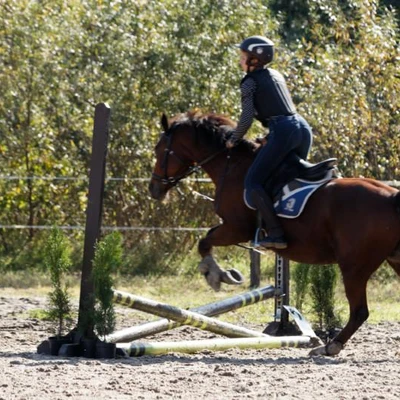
<point x="243" y="61"/>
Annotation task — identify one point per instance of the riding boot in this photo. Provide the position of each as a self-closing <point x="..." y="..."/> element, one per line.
<point x="263" y="203"/>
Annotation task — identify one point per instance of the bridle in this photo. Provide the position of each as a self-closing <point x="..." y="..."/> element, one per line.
<point x="191" y="169"/>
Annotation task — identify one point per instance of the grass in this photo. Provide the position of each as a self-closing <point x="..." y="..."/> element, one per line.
<point x="195" y="292"/>
<point x="383" y="301"/>
<point x="187" y="291"/>
<point x="32" y="283"/>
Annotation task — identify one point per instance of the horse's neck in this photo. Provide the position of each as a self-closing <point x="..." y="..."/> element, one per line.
<point x="226" y="164"/>
<point x="216" y="167"/>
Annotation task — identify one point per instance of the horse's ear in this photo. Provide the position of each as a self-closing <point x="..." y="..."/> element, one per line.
<point x="164" y="123"/>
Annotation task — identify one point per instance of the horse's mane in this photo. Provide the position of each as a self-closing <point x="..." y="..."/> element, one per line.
<point x="211" y="128"/>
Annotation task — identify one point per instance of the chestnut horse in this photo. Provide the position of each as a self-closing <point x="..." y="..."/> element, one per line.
<point x="352" y="222"/>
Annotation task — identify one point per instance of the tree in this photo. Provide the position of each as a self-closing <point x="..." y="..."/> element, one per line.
<point x="58" y="59"/>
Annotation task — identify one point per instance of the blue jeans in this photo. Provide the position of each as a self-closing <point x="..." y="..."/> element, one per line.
<point x="286" y="134"/>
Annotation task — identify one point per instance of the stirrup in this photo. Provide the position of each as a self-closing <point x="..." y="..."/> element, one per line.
<point x="273" y="243"/>
<point x="258" y="238"/>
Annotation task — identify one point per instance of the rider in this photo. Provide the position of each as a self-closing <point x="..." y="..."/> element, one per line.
<point x="265" y="96"/>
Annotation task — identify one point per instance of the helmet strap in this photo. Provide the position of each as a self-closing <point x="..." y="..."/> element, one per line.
<point x="250" y="64"/>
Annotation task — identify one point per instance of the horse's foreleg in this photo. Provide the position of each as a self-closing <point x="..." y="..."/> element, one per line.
<point x="221" y="235"/>
<point x="357" y="297"/>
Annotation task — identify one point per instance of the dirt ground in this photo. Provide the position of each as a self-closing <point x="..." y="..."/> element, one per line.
<point x="368" y="367"/>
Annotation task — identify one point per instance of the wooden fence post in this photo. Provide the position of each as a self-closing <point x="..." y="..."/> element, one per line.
<point x="93" y="215"/>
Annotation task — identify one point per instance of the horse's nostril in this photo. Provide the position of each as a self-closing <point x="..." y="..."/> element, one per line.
<point x="153" y="190"/>
<point x="157" y="192"/>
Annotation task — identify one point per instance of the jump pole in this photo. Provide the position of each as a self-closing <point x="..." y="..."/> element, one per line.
<point x="185" y="317"/>
<point x="210" y="310"/>
<point x="192" y="346"/>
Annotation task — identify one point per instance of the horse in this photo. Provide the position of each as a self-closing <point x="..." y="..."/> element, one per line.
<point x="352" y="222"/>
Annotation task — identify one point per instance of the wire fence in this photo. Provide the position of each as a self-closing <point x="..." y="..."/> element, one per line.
<point x="103" y="228"/>
<point x="393" y="183"/>
<point x="107" y="228"/>
<point x="85" y="178"/>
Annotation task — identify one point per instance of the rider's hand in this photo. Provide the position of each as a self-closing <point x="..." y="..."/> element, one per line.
<point x="230" y="143"/>
<point x="262" y="140"/>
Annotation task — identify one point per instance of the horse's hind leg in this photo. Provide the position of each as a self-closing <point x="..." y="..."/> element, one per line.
<point x="355" y="279"/>
<point x="355" y="284"/>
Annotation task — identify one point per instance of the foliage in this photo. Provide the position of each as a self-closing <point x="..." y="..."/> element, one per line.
<point x="323" y="281"/>
<point x="59" y="58"/>
<point x="57" y="262"/>
<point x="301" y="277"/>
<point x="40" y="314"/>
<point x="317" y="283"/>
<point x="385" y="274"/>
<point x="107" y="258"/>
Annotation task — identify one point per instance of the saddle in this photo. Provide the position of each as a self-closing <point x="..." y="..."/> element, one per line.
<point x="296" y="181"/>
<point x="295" y="167"/>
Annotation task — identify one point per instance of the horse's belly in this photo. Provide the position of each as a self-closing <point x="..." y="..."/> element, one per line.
<point x="310" y="254"/>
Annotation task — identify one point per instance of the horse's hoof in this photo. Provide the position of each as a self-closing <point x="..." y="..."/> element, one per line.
<point x="232" y="277"/>
<point x="211" y="272"/>
<point x="213" y="278"/>
<point x="331" y="349"/>
<point x="319" y="351"/>
<point x="205" y="264"/>
<point x="203" y="268"/>
<point x="214" y="282"/>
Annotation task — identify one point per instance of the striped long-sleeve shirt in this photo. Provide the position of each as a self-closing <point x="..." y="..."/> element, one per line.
<point x="247" y="90"/>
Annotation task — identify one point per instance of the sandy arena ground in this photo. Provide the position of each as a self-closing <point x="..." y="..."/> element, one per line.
<point x="368" y="367"/>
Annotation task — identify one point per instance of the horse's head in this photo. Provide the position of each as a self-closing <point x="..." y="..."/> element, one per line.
<point x="173" y="158"/>
<point x="191" y="141"/>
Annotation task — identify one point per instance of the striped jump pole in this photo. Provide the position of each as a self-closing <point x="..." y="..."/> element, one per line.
<point x="185" y="317"/>
<point x="135" y="349"/>
<point x="210" y="310"/>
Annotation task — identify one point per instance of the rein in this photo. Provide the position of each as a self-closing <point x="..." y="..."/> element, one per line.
<point x="174" y="180"/>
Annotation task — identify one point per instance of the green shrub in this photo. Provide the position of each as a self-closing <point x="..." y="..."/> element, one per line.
<point x="108" y="255"/>
<point x="301" y="278"/>
<point x="57" y="262"/>
<point x="323" y="281"/>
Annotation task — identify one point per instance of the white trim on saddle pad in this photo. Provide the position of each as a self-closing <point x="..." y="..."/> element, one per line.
<point x="286" y="193"/>
<point x="245" y="201"/>
<point x="290" y="204"/>
<point x="309" y="186"/>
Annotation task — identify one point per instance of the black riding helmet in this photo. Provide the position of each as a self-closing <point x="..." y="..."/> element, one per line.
<point x="259" y="48"/>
